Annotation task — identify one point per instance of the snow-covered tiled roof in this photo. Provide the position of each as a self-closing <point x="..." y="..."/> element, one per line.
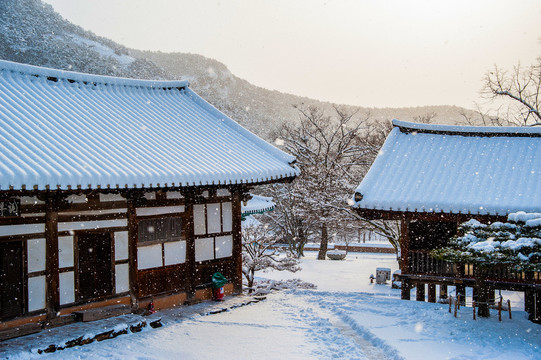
<point x="455" y="169"/>
<point x="63" y="129"/>
<point x="257" y="204"/>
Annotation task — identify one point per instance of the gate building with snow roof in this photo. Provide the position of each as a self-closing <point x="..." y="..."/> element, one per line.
<point x="433" y="178"/>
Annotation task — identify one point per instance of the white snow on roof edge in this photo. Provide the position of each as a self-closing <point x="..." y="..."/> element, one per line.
<point x="77" y="76"/>
<point x="467" y="129"/>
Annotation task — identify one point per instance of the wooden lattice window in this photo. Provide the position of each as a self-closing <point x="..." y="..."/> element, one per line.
<point x="160" y="230"/>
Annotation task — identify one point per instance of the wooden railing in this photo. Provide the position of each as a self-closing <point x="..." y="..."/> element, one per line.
<point x="422" y="263"/>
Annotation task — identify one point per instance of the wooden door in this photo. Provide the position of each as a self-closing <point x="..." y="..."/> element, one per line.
<point x="94" y="267"/>
<point x="11" y="280"/>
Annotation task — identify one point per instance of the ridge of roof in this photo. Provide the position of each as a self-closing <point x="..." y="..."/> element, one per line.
<point x="408" y="127"/>
<point x="55" y="75"/>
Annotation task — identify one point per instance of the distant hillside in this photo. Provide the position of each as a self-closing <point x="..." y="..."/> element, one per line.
<point x="31" y="32"/>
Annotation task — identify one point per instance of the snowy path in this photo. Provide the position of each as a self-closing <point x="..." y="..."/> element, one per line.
<point x="347" y="318"/>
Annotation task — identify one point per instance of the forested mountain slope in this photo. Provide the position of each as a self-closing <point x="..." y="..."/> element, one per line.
<point x="32" y="32"/>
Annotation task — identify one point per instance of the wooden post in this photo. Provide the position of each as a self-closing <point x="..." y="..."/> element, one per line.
<point x="404" y="246"/>
<point x="443" y="291"/>
<point x="420" y="292"/>
<point x="450" y="303"/>
<point x="500" y="310"/>
<point x="190" y="248"/>
<point x="473" y="305"/>
<point x="431" y="293"/>
<point x="237" y="239"/>
<point x="457" y="301"/>
<point x="461" y="290"/>
<point x="405" y="290"/>
<point x="528" y="303"/>
<point x="133" y="199"/>
<point x="52" y="203"/>
<point x="509" y="307"/>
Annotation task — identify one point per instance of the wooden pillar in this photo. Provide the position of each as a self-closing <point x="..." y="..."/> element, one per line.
<point x="443" y="291"/>
<point x="404" y="246"/>
<point x="133" y="199"/>
<point x="536" y="308"/>
<point x="420" y="292"/>
<point x="405" y="290"/>
<point x="237" y="198"/>
<point x="190" y="248"/>
<point x="432" y="293"/>
<point x="492" y="296"/>
<point x="461" y="289"/>
<point x="528" y="303"/>
<point x="52" y="203"/>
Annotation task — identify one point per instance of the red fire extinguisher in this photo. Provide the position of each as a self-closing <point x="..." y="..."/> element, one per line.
<point x="219" y="294"/>
<point x="150" y="307"/>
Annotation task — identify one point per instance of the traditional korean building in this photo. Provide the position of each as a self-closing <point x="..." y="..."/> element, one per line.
<point x="118" y="191"/>
<point x="434" y="177"/>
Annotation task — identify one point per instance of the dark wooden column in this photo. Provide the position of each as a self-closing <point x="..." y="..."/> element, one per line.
<point x="237" y="198"/>
<point x="133" y="198"/>
<point x="405" y="290"/>
<point x="190" y="247"/>
<point x="420" y="292"/>
<point x="528" y="303"/>
<point x="432" y="293"/>
<point x="443" y="291"/>
<point x="461" y="289"/>
<point x="52" y="205"/>
<point x="404" y="245"/>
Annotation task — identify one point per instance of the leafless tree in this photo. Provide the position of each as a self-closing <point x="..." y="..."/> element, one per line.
<point x="333" y="152"/>
<point x="522" y="87"/>
<point x="259" y="253"/>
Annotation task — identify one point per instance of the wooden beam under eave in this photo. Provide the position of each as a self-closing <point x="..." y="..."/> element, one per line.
<point x="371" y="214"/>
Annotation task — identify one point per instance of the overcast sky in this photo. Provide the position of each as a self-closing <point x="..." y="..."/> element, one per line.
<point x="381" y="53"/>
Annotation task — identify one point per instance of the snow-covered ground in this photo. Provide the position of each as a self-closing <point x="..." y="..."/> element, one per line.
<point x="346" y="317"/>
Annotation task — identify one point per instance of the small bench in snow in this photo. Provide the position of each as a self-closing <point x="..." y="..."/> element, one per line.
<point x="336" y="254"/>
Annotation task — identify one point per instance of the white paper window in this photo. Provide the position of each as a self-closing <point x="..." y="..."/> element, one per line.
<point x="122" y="278"/>
<point x="213" y="218"/>
<point x="174" y="195"/>
<point x="36" y="255"/>
<point x="121" y="245"/>
<point x="36" y="293"/>
<point x="149" y="256"/>
<point x="204" y="249"/>
<point x="224" y="246"/>
<point x="65" y="251"/>
<point x="150" y="196"/>
<point x="175" y="252"/>
<point x="199" y="220"/>
<point x="67" y="287"/>
<point x="227" y="217"/>
<point x="222" y="192"/>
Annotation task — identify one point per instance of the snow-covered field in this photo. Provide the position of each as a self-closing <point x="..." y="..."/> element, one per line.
<point x="345" y="318"/>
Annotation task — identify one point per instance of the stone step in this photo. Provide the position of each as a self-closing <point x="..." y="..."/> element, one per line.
<point x="101" y="313"/>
